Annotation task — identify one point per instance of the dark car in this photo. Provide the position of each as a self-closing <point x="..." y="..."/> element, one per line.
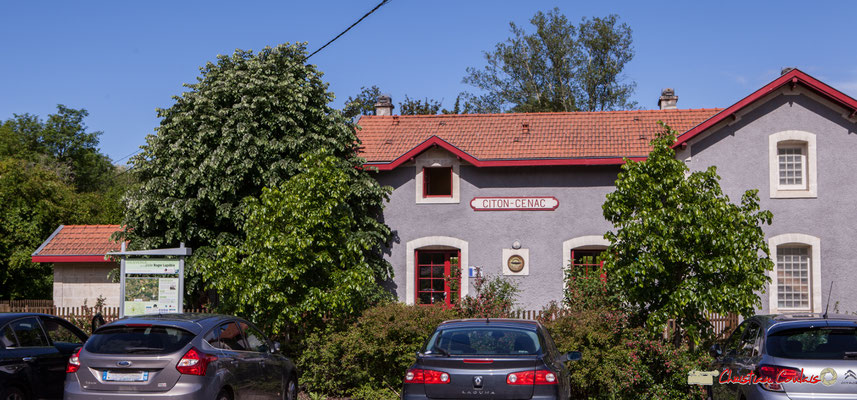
<point x="180" y="356"/>
<point x="489" y="358"/>
<point x="34" y="349"/>
<point x="808" y="356"/>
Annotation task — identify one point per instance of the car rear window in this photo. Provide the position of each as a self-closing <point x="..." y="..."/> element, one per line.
<point x="818" y="343"/>
<point x="138" y="340"/>
<point x="484" y="341"/>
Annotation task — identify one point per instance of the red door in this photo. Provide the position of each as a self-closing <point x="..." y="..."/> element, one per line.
<point x="436" y="270"/>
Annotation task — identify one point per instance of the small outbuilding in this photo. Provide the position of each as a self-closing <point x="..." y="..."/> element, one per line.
<point x="81" y="267"/>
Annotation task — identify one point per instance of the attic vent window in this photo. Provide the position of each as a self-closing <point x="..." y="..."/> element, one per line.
<point x="525" y="127"/>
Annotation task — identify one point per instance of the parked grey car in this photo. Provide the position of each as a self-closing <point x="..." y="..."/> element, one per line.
<point x="817" y="355"/>
<point x="180" y="356"/>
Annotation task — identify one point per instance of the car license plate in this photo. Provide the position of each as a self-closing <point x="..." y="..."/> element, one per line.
<point x="113" y="376"/>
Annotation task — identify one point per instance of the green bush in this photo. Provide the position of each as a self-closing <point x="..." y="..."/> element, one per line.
<point x="369" y="359"/>
<point x="494" y="297"/>
<point x="620" y="359"/>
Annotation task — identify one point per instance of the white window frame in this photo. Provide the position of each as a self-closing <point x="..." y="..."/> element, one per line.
<point x="582" y="241"/>
<point x="437" y="158"/>
<point x="797" y="239"/>
<point x="809" y="164"/>
<point x="434" y="243"/>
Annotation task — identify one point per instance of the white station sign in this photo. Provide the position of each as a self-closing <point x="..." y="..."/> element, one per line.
<point x="526" y="203"/>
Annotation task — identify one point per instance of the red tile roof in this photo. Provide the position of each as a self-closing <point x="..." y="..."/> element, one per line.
<point x="78" y="243"/>
<point x="523" y="136"/>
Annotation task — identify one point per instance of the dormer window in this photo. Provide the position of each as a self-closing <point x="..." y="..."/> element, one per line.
<point x="437" y="182"/>
<point x="437" y="177"/>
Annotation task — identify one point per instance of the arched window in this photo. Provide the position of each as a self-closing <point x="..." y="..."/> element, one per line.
<point x="582" y="250"/>
<point x="793" y="164"/>
<point x="796" y="278"/>
<point x="431" y="263"/>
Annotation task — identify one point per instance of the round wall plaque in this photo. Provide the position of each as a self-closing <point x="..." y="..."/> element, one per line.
<point x="515" y="263"/>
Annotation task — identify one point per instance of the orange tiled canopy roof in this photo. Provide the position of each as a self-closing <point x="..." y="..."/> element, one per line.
<point x="78" y="243"/>
<point x="517" y="136"/>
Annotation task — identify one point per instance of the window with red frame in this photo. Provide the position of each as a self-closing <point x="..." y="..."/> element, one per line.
<point x="437" y="182"/>
<point x="434" y="271"/>
<point x="585" y="258"/>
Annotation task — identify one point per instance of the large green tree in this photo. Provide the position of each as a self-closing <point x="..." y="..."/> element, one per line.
<point x="312" y="248"/>
<point x="51" y="173"/>
<point x="241" y="127"/>
<point x="35" y="201"/>
<point x="680" y="247"/>
<point x="558" y="67"/>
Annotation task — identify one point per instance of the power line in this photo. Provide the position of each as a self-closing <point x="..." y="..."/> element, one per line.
<point x="129" y="155"/>
<point x="349" y="28"/>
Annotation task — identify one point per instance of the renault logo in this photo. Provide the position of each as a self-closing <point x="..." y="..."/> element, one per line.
<point x="123" y="363"/>
<point x="477" y="381"/>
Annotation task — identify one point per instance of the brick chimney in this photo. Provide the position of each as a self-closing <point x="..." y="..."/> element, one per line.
<point x="668" y="99"/>
<point x="384" y="106"/>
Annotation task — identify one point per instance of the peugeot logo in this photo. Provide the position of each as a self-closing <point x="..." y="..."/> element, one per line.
<point x="477" y="381"/>
<point x="123" y="363"/>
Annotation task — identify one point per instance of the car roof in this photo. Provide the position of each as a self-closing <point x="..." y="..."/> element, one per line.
<point x="491" y="322"/>
<point x="6" y="317"/>
<point x="777" y="322"/>
<point x="193" y="322"/>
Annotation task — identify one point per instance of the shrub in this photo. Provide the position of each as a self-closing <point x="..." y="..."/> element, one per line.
<point x="369" y="359"/>
<point x="620" y="359"/>
<point x="494" y="297"/>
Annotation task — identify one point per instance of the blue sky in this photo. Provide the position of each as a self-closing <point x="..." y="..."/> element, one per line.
<point x="120" y="60"/>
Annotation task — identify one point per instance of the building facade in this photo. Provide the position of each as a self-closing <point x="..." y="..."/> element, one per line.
<point x="520" y="195"/>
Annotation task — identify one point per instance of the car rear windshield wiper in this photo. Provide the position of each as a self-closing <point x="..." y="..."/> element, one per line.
<point x="142" y="349"/>
<point x="440" y="350"/>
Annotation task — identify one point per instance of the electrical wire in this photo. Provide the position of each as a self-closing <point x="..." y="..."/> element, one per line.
<point x="349" y="28"/>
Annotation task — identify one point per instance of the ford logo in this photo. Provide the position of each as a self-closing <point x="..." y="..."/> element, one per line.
<point x="124" y="363"/>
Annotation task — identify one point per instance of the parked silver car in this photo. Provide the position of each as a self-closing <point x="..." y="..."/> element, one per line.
<point x="180" y="356"/>
<point x="807" y="356"/>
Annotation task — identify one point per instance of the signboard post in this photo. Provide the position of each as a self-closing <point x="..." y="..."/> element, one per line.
<point x="151" y="281"/>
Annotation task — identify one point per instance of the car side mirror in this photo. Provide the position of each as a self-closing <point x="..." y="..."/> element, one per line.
<point x="715" y="351"/>
<point x="572" y="356"/>
<point x="276" y="348"/>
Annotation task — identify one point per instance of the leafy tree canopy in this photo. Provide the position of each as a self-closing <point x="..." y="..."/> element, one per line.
<point x="241" y="127"/>
<point x="35" y="201"/>
<point x="364" y="104"/>
<point x="680" y="247"/>
<point x="312" y="248"/>
<point x="558" y="67"/>
<point x="51" y="173"/>
<point x="61" y="143"/>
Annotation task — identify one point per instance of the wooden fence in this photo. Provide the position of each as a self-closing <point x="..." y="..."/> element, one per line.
<point x="723" y="325"/>
<point x="76" y="313"/>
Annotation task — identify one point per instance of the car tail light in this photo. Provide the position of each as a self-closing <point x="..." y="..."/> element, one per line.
<point x="194" y="362"/>
<point x="777" y="374"/>
<point x="540" y="377"/>
<point x="426" y="376"/>
<point x="73" y="362"/>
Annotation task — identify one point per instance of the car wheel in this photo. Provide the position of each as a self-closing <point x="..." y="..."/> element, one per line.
<point x="12" y="394"/>
<point x="223" y="395"/>
<point x="291" y="389"/>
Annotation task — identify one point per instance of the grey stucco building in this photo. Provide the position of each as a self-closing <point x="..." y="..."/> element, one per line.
<point x="521" y="194"/>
